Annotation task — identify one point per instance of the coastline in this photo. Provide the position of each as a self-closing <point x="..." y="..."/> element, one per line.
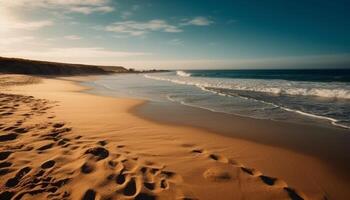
<point x="178" y="147"/>
<point x="257" y="137"/>
<point x="296" y="137"/>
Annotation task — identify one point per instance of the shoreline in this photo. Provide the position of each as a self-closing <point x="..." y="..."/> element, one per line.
<point x="149" y="111"/>
<point x="284" y="135"/>
<point x="216" y="161"/>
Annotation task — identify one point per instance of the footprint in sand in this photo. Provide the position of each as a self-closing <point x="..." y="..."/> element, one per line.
<point x="5" y="154"/>
<point x="150" y="186"/>
<point x="102" y="142"/>
<point x="21" y="130"/>
<point x="98" y="152"/>
<point x="5" y="164"/>
<point x="48" y="164"/>
<point x="212" y="156"/>
<point x="268" y="180"/>
<point x="4" y="168"/>
<point x="63" y="141"/>
<point x="45" y="147"/>
<point x="130" y="188"/>
<point x="197" y="151"/>
<point x="12" y="182"/>
<point x="78" y="137"/>
<point x="247" y="170"/>
<point x="164" y="184"/>
<point x="87" y="168"/>
<point x="89" y="195"/>
<point x="145" y="196"/>
<point x="6" y="195"/>
<point x="9" y="128"/>
<point x="8" y="137"/>
<point x="218" y="174"/>
<point x="58" y="125"/>
<point x="120" y="179"/>
<point x="293" y="194"/>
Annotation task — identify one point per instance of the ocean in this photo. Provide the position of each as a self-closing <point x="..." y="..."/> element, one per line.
<point x="298" y="96"/>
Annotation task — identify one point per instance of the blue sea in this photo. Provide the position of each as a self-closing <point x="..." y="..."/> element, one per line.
<point x="298" y="96"/>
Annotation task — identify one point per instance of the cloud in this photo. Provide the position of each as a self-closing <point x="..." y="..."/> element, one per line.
<point x="25" y="25"/>
<point x="86" y="55"/>
<point x="85" y="52"/>
<point x="135" y="28"/>
<point x="198" y="21"/>
<point x="72" y="37"/>
<point x="44" y="3"/>
<point x="88" y="10"/>
<point x="14" y="40"/>
<point x="79" y="6"/>
<point x="302" y="62"/>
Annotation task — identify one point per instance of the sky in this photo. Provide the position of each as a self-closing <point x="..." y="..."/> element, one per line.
<point x="180" y="34"/>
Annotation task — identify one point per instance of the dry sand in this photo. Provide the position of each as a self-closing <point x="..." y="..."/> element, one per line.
<point x="59" y="143"/>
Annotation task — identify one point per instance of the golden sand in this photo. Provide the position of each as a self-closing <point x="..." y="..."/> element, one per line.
<point x="59" y="143"/>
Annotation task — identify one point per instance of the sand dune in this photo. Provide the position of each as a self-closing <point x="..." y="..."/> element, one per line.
<point x="25" y="66"/>
<point x="53" y="146"/>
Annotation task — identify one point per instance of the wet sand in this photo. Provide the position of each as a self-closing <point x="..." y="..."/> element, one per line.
<point x="60" y="143"/>
<point x="329" y="144"/>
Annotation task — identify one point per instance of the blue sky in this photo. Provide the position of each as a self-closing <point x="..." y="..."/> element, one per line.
<point x="194" y="34"/>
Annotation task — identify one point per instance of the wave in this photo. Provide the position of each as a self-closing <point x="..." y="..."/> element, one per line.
<point x="333" y="121"/>
<point x="272" y="87"/>
<point x="216" y="86"/>
<point x="183" y="74"/>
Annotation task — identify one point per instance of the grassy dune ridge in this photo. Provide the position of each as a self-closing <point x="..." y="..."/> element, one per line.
<point x="24" y="66"/>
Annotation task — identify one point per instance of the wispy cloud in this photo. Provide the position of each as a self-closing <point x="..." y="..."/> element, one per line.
<point x="79" y="6"/>
<point x="25" y="25"/>
<point x="135" y="28"/>
<point x="87" y="55"/>
<point x="14" y="40"/>
<point x="198" y="21"/>
<point x="321" y="61"/>
<point x="72" y="37"/>
<point x="88" y="9"/>
<point x="128" y="13"/>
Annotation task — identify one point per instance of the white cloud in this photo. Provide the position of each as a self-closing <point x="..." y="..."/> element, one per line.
<point x="14" y="40"/>
<point x="90" y="52"/>
<point x="86" y="55"/>
<point x="72" y="37"/>
<point x="88" y="9"/>
<point x="198" y="21"/>
<point x="44" y="3"/>
<point x="25" y="25"/>
<point x="135" y="28"/>
<point x="79" y="6"/>
<point x="322" y="61"/>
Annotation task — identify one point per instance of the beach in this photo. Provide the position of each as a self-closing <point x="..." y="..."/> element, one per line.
<point x="174" y="100"/>
<point x="59" y="142"/>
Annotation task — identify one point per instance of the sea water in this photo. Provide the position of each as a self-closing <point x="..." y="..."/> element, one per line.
<point x="307" y="96"/>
